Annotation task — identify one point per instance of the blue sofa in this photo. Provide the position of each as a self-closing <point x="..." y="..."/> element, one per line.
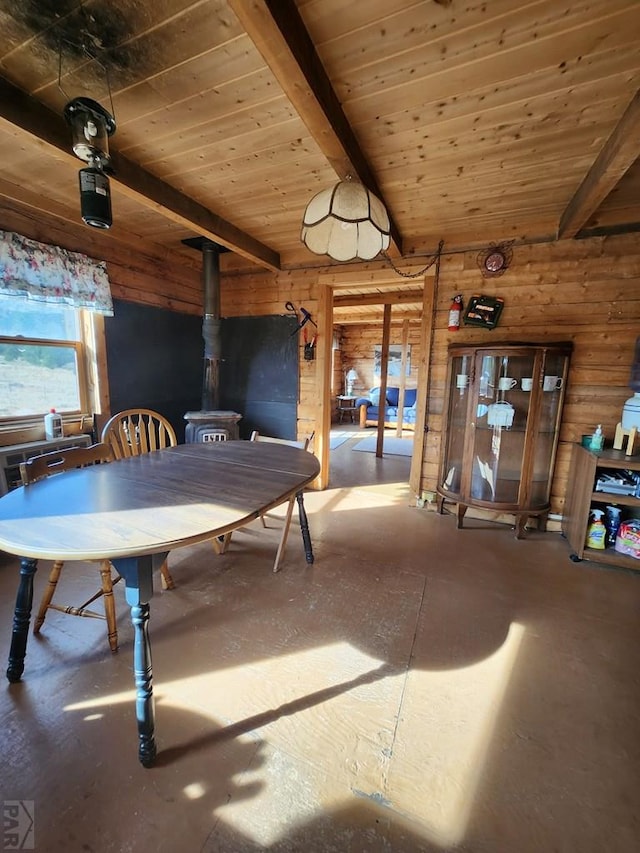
<point x="370" y="408"/>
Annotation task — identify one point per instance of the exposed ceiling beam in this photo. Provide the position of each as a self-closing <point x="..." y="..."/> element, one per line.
<point x="277" y="30"/>
<point x="620" y="151"/>
<point x="372" y="318"/>
<point x="17" y="109"/>
<point x="398" y="298"/>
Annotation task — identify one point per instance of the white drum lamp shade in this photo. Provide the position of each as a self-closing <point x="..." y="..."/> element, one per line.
<point x="346" y="222"/>
<point x="352" y="377"/>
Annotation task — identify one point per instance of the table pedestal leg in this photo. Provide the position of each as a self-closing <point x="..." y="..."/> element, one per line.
<point x="137" y="575"/>
<point x="142" y="674"/>
<point x="304" y="527"/>
<point x="21" y="619"/>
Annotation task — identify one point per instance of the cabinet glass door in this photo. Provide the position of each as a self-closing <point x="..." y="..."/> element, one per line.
<point x="504" y="386"/>
<point x="552" y="379"/>
<point x="458" y="419"/>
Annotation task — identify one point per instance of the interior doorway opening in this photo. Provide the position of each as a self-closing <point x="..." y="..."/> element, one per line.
<point x="377" y="329"/>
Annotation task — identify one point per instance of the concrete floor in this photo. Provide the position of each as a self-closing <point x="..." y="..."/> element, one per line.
<point x="418" y="688"/>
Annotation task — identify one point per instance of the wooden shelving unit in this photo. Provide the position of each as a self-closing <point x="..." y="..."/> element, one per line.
<point x="581" y="496"/>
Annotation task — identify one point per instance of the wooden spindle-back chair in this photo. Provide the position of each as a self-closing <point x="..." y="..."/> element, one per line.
<point x="133" y="432"/>
<point x="50" y="464"/>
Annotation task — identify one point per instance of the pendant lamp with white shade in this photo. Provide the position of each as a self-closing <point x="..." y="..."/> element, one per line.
<point x="346" y="221"/>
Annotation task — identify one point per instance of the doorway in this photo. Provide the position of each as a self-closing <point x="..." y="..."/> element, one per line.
<point x="384" y="309"/>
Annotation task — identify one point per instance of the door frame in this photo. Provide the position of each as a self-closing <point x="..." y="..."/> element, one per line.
<point x="328" y="284"/>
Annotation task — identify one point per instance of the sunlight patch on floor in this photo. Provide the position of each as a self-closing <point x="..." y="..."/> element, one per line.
<point x="331" y="724"/>
<point x="456" y="711"/>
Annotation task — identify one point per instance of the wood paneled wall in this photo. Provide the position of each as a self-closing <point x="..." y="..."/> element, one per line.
<point x="584" y="291"/>
<point x="357" y="343"/>
<point x="138" y="272"/>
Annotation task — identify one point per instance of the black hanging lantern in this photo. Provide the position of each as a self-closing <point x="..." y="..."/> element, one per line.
<point x="92" y="125"/>
<point x="95" y="198"/>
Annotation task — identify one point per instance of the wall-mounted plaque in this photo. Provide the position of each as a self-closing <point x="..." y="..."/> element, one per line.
<point x="483" y="311"/>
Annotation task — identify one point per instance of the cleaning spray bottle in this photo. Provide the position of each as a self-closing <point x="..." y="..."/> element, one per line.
<point x="596" y="532"/>
<point x="612" y="522"/>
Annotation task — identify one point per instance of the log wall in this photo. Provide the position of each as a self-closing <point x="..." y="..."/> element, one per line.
<point x="138" y="272"/>
<point x="586" y="291"/>
<point x="357" y="349"/>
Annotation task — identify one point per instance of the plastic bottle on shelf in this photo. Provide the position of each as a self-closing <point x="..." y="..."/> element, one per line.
<point x="596" y="532"/>
<point x="612" y="523"/>
<point x="53" y="424"/>
<point x="597" y="439"/>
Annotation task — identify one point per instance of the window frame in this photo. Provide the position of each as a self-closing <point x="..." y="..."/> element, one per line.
<point x="78" y="347"/>
<point x="90" y="349"/>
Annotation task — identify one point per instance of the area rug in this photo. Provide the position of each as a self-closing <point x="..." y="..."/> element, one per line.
<point x="393" y="446"/>
<point x="337" y="439"/>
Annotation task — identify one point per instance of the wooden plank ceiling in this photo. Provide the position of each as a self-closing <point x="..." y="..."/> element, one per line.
<point x="475" y="122"/>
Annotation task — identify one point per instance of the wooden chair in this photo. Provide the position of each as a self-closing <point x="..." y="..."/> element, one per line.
<point x="137" y="431"/>
<point x="133" y="432"/>
<point x="49" y="464"/>
<point x="222" y="542"/>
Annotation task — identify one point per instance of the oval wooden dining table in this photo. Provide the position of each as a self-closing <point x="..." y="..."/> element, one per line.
<point x="134" y="511"/>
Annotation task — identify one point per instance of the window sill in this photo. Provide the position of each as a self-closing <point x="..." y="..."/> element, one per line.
<point x="32" y="429"/>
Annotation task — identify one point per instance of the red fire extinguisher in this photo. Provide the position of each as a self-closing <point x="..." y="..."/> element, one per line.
<point x="455" y="311"/>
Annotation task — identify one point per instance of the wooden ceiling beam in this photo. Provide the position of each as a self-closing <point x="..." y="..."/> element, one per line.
<point x="620" y="151"/>
<point x="278" y="32"/>
<point x="398" y="298"/>
<point x="341" y="318"/>
<point x="19" y="110"/>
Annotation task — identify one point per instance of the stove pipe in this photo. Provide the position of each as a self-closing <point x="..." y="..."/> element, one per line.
<point x="211" y="326"/>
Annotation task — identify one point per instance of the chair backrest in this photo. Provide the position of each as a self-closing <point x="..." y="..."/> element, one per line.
<point x="56" y="461"/>
<point x="137" y="431"/>
<point x="255" y="436"/>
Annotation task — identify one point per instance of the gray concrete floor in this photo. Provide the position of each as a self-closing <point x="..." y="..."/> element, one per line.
<point x="418" y="688"/>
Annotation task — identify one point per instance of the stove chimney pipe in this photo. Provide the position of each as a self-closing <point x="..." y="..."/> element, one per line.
<point x="211" y="326"/>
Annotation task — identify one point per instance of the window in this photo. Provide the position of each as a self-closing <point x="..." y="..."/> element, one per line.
<point x="41" y="359"/>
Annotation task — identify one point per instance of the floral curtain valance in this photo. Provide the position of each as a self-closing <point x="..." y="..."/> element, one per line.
<point x="50" y="274"/>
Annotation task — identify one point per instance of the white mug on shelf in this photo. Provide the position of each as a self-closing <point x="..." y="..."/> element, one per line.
<point x="552" y="383"/>
<point x="506" y="383"/>
<point x="527" y="383"/>
<point x="462" y="380"/>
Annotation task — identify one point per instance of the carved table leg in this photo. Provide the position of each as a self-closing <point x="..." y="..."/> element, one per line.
<point x="142" y="674"/>
<point x="304" y="527"/>
<point x="137" y="574"/>
<point x="461" y="510"/>
<point x="21" y="619"/>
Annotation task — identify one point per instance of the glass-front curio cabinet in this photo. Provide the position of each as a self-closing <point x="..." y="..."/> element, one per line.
<point x="503" y="407"/>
